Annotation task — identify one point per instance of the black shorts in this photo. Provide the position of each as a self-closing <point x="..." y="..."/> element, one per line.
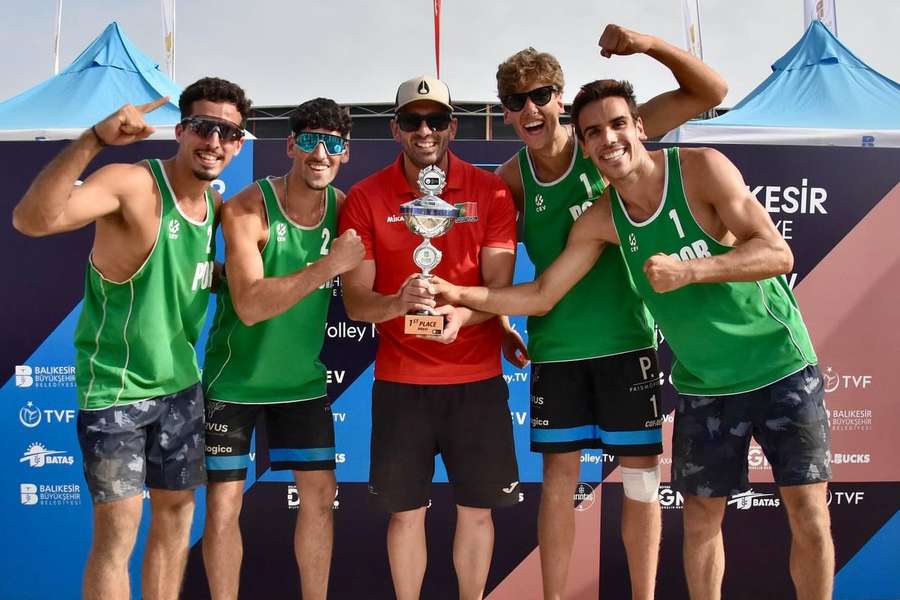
<point x="787" y="418"/>
<point x="469" y="424"/>
<point x="612" y="402"/>
<point x="301" y="437"/>
<point x="157" y="442"/>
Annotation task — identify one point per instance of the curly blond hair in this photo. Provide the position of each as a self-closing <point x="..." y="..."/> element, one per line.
<point x="528" y="66"/>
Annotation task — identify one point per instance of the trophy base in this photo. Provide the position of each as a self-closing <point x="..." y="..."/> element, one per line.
<point x="423" y="324"/>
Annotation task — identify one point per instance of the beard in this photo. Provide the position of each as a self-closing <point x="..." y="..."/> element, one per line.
<point x="205" y="175"/>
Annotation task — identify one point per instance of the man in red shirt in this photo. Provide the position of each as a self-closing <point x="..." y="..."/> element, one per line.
<point x="444" y="393"/>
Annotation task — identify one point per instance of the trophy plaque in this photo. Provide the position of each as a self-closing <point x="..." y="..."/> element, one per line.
<point x="428" y="217"/>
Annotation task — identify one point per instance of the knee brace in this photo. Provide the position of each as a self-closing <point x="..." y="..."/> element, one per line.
<point x="641" y="485"/>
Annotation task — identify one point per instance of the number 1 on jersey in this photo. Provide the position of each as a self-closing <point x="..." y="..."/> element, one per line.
<point x="587" y="185"/>
<point x="674" y="216"/>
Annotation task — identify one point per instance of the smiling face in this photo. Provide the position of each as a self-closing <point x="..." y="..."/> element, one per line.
<point x="611" y="137"/>
<point x="317" y="168"/>
<point x="535" y="125"/>
<point x="207" y="157"/>
<point x="424" y="146"/>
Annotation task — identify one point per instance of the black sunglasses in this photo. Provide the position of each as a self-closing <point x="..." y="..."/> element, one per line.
<point x="540" y="96"/>
<point x="436" y="121"/>
<point x="204" y="127"/>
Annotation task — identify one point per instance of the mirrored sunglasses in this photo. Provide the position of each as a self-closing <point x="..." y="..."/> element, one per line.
<point x="205" y="126"/>
<point x="308" y="140"/>
<point x="410" y="121"/>
<point x="540" y="96"/>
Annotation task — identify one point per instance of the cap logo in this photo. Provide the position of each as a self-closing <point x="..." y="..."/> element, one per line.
<point x="423" y="88"/>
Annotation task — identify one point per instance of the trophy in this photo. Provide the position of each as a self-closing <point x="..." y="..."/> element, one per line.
<point x="428" y="217"/>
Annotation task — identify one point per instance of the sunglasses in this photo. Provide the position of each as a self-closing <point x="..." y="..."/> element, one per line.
<point x="540" y="96"/>
<point x="410" y="121"/>
<point x="308" y="140"/>
<point x="204" y="127"/>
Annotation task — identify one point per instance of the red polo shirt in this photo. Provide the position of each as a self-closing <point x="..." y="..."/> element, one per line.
<point x="372" y="208"/>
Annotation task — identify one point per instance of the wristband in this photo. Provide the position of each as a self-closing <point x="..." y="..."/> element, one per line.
<point x="97" y="135"/>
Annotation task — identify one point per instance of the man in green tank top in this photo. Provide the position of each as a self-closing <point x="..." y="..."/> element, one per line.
<point x="147" y="287"/>
<point x="594" y="379"/>
<point x="709" y="263"/>
<point x="281" y="257"/>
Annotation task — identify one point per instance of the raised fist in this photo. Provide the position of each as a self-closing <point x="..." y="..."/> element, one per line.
<point x="346" y="252"/>
<point x="618" y="40"/>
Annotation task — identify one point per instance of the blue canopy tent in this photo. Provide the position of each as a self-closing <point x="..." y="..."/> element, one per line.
<point x="109" y="73"/>
<point x="819" y="93"/>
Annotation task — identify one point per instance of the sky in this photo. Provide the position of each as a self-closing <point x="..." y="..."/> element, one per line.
<point x="286" y="51"/>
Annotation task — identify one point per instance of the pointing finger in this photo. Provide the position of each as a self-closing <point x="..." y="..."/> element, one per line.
<point x="151" y="106"/>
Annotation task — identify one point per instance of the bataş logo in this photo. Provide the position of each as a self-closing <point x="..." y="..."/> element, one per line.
<point x="37" y="456"/>
<point x="750" y="499"/>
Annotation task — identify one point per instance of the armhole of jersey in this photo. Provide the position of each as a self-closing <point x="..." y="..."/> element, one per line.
<point x="262" y="184"/>
<point x="522" y="159"/>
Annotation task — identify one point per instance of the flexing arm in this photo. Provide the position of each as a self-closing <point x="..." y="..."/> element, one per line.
<point x="586" y="241"/>
<point x="256" y="297"/>
<point x="53" y="203"/>
<point x="713" y="182"/>
<point x="699" y="86"/>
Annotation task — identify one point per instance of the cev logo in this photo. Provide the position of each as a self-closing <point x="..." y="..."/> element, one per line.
<point x="174" y="228"/>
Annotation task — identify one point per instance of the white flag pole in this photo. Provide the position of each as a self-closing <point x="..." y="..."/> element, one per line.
<point x="168" y="16"/>
<point x="56" y="36"/>
<point x="821" y="10"/>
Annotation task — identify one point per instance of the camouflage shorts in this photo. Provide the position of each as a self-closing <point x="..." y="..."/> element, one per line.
<point x="158" y="441"/>
<point x="787" y="419"/>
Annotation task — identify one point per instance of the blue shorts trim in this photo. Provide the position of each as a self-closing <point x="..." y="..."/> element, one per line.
<point x="588" y="432"/>
<point x="301" y="454"/>
<point x="227" y="463"/>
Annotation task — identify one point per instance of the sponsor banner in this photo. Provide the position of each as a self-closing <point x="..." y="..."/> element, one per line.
<point x="806" y="191"/>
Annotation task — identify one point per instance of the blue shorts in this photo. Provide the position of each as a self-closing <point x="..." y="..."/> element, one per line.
<point x="157" y="442"/>
<point x="787" y="418"/>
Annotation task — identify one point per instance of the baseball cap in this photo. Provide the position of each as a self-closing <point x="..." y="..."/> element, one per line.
<point x="423" y="87"/>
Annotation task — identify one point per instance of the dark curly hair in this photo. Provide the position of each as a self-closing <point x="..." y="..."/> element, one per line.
<point x="214" y="90"/>
<point x="321" y="113"/>
<point x="598" y="90"/>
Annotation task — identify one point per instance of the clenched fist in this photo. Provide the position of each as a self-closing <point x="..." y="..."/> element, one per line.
<point x="346" y="252"/>
<point x="127" y="125"/>
<point x="618" y="40"/>
<point x="666" y="273"/>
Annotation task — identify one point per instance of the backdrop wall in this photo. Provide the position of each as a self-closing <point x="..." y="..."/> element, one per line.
<point x="837" y="207"/>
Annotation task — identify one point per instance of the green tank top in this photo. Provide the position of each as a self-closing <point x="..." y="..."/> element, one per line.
<point x="276" y="360"/>
<point x="602" y="315"/>
<point x="727" y="338"/>
<point x="135" y="339"/>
